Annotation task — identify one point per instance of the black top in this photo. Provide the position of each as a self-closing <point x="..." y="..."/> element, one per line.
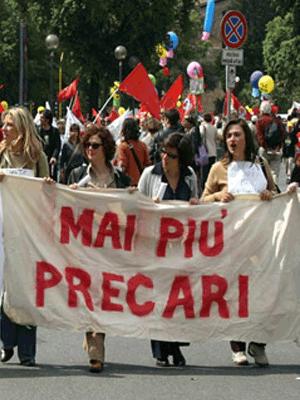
<point x="296" y="174"/>
<point x="182" y="192"/>
<point x="51" y="141"/>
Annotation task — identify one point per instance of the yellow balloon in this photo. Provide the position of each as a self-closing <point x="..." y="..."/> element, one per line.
<point x="41" y="109"/>
<point x="121" y="110"/>
<point x="266" y="84"/>
<point x="4" y="104"/>
<point x="161" y="51"/>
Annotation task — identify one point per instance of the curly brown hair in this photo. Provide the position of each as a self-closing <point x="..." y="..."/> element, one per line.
<point x="109" y="145"/>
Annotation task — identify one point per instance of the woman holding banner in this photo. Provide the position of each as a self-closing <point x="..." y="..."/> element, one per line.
<point x="240" y="172"/>
<point x="99" y="149"/>
<point x="20" y="152"/>
<point x="171" y="179"/>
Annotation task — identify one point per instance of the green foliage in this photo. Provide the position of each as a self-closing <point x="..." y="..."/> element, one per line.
<point x="281" y="51"/>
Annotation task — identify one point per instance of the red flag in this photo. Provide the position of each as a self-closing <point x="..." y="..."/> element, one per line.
<point x="68" y="91"/>
<point x="235" y="106"/>
<point x="191" y="103"/>
<point x="139" y="85"/>
<point x="76" y="109"/>
<point x="170" y="99"/>
<point x="112" y="115"/>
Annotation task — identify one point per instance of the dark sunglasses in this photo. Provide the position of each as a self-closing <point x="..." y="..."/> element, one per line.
<point x="170" y="155"/>
<point x="94" y="146"/>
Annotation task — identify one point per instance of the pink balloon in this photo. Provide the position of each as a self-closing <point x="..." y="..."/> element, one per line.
<point x="163" y="61"/>
<point x="194" y="70"/>
<point x="170" y="53"/>
<point x="205" y="36"/>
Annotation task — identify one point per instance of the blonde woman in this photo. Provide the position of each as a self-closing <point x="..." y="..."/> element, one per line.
<point x="20" y="148"/>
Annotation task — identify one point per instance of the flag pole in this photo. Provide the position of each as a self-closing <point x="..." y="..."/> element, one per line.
<point x="60" y="75"/>
<point x="72" y="101"/>
<point x="104" y="105"/>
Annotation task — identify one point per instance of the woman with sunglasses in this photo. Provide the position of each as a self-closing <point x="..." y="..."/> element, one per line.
<point x="20" y="149"/>
<point x="99" y="149"/>
<point x="170" y="179"/>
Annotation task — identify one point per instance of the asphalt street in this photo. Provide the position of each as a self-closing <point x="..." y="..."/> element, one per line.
<point x="130" y="373"/>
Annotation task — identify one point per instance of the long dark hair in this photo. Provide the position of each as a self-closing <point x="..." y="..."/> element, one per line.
<point x="250" y="152"/>
<point x="130" y="129"/>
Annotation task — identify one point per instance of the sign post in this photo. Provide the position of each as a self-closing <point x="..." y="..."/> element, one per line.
<point x="234" y="31"/>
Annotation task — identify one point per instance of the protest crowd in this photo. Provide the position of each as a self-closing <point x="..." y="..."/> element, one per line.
<point x="174" y="154"/>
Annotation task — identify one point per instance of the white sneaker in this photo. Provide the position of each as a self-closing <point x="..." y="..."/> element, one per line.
<point x="239" y="358"/>
<point x="259" y="354"/>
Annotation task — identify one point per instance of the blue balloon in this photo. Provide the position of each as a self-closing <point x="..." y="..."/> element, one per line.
<point x="255" y="92"/>
<point x="209" y="16"/>
<point x="255" y="77"/>
<point x="172" y="40"/>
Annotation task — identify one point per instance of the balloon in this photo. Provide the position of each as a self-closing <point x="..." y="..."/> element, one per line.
<point x="209" y="19"/>
<point x="4" y="105"/>
<point x="113" y="89"/>
<point x="166" y="71"/>
<point x="116" y="101"/>
<point x="255" y="92"/>
<point x="172" y="40"/>
<point x="163" y="61"/>
<point x="254" y="78"/>
<point x="194" y="70"/>
<point x="121" y="110"/>
<point x="170" y="53"/>
<point x="266" y="84"/>
<point x="161" y="51"/>
<point x="152" y="79"/>
<point x="41" y="109"/>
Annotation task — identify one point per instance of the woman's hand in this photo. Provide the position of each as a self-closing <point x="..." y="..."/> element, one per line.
<point x="292" y="187"/>
<point x="266" y="195"/>
<point x="194" y="201"/>
<point x="74" y="186"/>
<point x="224" y="196"/>
<point x="132" y="189"/>
<point x="49" y="180"/>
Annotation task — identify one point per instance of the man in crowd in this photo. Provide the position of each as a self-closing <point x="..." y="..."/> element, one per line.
<point x="51" y="141"/>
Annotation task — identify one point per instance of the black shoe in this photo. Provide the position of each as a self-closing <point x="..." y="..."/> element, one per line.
<point x="28" y="363"/>
<point x="162" y="362"/>
<point x="96" y="366"/>
<point x="6" y="354"/>
<point x="178" y="359"/>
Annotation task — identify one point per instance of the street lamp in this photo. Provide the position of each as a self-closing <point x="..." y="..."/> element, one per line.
<point x="52" y="43"/>
<point x="120" y="54"/>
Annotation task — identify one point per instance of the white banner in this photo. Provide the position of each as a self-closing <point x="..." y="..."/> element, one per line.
<point x="118" y="263"/>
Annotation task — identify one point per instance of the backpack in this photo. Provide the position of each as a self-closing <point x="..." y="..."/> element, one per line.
<point x="201" y="157"/>
<point x="273" y="135"/>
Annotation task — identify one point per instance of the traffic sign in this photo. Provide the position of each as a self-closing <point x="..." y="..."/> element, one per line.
<point x="232" y="57"/>
<point x="234" y="29"/>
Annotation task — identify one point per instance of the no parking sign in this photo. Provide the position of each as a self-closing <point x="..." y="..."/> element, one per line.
<point x="234" y="29"/>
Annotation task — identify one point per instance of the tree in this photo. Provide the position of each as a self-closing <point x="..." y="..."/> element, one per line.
<point x="281" y="49"/>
